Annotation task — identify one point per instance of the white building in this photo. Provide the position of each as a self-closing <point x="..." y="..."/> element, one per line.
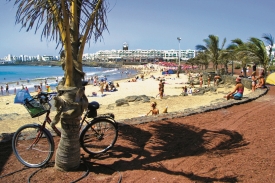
<point x="47" y="58"/>
<point x="140" y="55"/>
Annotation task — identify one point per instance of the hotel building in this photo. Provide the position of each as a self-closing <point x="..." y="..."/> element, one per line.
<point x="140" y="55"/>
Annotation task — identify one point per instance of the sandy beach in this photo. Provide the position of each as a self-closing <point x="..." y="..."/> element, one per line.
<point x="13" y="116"/>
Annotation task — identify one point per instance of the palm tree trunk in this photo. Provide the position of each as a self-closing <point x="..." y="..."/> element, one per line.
<point x="70" y="105"/>
<point x="68" y="151"/>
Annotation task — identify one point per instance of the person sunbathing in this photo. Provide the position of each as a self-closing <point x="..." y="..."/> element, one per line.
<point x="261" y="82"/>
<point x="237" y="93"/>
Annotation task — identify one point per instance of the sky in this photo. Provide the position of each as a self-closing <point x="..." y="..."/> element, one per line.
<point x="152" y="24"/>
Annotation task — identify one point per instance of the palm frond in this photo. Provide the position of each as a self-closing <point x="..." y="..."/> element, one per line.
<point x="268" y="39"/>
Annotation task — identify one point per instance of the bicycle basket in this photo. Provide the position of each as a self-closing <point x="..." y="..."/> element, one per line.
<point x="34" y="107"/>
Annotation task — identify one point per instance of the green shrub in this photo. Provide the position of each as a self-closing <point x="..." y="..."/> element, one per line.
<point x="271" y="68"/>
<point x="237" y="66"/>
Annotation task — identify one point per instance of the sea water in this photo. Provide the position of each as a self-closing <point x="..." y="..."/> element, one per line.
<point x="28" y="76"/>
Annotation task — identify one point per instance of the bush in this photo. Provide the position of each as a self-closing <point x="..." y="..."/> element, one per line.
<point x="271" y="68"/>
<point x="238" y="66"/>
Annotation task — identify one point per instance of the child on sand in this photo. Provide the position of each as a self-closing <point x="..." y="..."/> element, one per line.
<point x="154" y="110"/>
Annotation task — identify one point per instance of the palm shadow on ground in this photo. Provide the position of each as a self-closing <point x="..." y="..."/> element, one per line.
<point x="146" y="149"/>
<point x="140" y="149"/>
<point x="5" y="153"/>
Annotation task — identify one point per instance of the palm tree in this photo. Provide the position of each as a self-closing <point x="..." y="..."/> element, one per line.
<point x="270" y="41"/>
<point x="212" y="49"/>
<point x="202" y="60"/>
<point x="226" y="56"/>
<point x="72" y="24"/>
<point x="237" y="47"/>
<point x="257" y="49"/>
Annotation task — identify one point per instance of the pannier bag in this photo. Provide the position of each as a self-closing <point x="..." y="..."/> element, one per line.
<point x="92" y="107"/>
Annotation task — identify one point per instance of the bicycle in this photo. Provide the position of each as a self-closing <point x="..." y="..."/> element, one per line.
<point x="33" y="144"/>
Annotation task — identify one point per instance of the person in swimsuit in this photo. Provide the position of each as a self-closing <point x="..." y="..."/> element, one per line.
<point x="254" y="79"/>
<point x="154" y="110"/>
<point x="208" y="80"/>
<point x="39" y="90"/>
<point x="7" y="88"/>
<point x="217" y="79"/>
<point x="161" y="89"/>
<point x="237" y="93"/>
<point x="200" y="78"/>
<point x="261" y="82"/>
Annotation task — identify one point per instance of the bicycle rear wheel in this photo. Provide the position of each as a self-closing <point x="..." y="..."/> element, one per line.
<point x="32" y="146"/>
<point x="99" y="136"/>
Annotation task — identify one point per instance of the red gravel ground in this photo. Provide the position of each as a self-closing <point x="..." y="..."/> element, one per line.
<point x="235" y="144"/>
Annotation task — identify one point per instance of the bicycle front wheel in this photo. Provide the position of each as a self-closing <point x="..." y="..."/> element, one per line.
<point x="32" y="145"/>
<point x="99" y="136"/>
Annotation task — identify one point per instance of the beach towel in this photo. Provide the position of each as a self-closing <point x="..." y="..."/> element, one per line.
<point x="96" y="95"/>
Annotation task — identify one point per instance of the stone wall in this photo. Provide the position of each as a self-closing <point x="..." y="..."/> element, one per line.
<point x="231" y="80"/>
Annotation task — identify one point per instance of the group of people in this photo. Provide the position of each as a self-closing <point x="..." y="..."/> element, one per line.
<point x="7" y="89"/>
<point x="257" y="82"/>
<point x="217" y="78"/>
<point x="105" y="86"/>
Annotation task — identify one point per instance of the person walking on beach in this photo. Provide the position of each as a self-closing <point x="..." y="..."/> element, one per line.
<point x="101" y="87"/>
<point x="200" y="79"/>
<point x="2" y="88"/>
<point x="39" y="90"/>
<point x="7" y="89"/>
<point x="161" y="89"/>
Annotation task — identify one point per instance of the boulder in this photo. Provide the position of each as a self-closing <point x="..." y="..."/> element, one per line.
<point x="145" y="98"/>
<point x="131" y="98"/>
<point x="111" y="106"/>
<point x="121" y="102"/>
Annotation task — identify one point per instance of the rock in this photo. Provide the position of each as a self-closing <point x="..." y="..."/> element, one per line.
<point x="213" y="89"/>
<point x="200" y="92"/>
<point x="144" y="100"/>
<point x="138" y="98"/>
<point x="111" y="106"/>
<point x="131" y="98"/>
<point x="121" y="102"/>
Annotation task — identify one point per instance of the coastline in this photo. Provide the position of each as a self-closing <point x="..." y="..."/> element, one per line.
<point x="13" y="76"/>
<point x="15" y="115"/>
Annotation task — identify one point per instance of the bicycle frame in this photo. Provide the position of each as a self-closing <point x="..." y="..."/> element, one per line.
<point x="55" y="129"/>
<point x="98" y="136"/>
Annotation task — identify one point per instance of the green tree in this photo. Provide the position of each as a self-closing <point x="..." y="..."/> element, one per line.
<point x="256" y="50"/>
<point x="72" y="24"/>
<point x="225" y="58"/>
<point x="212" y="49"/>
<point x="201" y="59"/>
<point x="270" y="42"/>
<point x="237" y="48"/>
